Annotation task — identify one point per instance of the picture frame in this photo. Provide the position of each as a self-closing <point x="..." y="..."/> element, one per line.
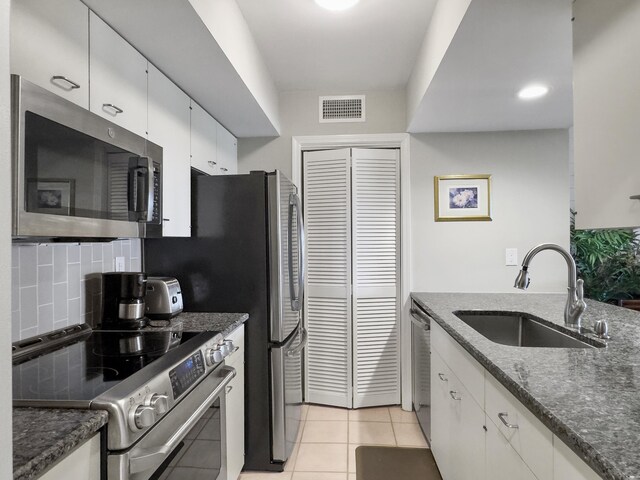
<point x="462" y="198"/>
<point x="53" y="196"/>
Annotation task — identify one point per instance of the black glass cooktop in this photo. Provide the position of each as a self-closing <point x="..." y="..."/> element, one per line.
<point x="84" y="369"/>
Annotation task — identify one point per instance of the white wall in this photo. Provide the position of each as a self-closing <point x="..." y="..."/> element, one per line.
<point x="385" y="113"/>
<point x="606" y="113"/>
<point x="228" y="26"/>
<point x="530" y="193"/>
<point x="6" y="459"/>
<point x="530" y="205"/>
<point x="56" y="286"/>
<point x="444" y="24"/>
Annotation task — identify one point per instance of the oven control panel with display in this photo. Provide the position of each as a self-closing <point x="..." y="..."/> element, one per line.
<point x="186" y="374"/>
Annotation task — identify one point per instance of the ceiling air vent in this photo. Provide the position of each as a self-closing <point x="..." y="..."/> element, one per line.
<point x="342" y="108"/>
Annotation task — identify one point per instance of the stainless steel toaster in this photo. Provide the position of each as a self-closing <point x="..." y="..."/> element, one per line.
<point x="164" y="298"/>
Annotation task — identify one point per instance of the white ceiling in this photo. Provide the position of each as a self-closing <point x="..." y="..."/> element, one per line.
<point x="372" y="46"/>
<point x="500" y="46"/>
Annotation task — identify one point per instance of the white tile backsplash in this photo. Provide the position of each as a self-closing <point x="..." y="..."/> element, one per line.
<point x="54" y="286"/>
<point x="45" y="285"/>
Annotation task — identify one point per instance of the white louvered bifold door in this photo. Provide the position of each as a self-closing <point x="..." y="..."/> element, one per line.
<point x="327" y="310"/>
<point x="375" y="228"/>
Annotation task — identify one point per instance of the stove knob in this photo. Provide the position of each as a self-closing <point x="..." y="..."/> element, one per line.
<point x="224" y="348"/>
<point x="159" y="403"/>
<point x="217" y="355"/>
<point x="230" y="345"/>
<point x="214" y="355"/>
<point x="144" y="416"/>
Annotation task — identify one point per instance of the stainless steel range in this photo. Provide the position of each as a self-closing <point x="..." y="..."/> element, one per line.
<point x="164" y="391"/>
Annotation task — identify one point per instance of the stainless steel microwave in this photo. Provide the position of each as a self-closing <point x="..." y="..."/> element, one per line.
<point x="77" y="175"/>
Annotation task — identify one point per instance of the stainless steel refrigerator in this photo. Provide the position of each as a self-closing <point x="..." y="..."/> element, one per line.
<point x="246" y="254"/>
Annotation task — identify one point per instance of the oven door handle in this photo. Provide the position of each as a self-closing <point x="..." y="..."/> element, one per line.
<point x="153" y="457"/>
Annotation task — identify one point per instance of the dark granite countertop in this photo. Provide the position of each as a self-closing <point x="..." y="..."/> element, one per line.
<point x="225" y="323"/>
<point x="42" y="436"/>
<point x="589" y="398"/>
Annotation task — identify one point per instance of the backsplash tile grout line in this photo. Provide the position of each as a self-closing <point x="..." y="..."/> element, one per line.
<point x="57" y="285"/>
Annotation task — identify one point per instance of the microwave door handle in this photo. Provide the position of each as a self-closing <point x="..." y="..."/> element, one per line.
<point x="135" y="199"/>
<point x="150" y="188"/>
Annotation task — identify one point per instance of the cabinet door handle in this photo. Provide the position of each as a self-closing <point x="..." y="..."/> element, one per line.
<point x="166" y="219"/>
<point x="229" y="388"/>
<point x="442" y="377"/>
<point x="454" y="395"/>
<point x="115" y="108"/>
<point x="224" y="169"/>
<point x="211" y="163"/>
<point x="502" y="416"/>
<point x="72" y="85"/>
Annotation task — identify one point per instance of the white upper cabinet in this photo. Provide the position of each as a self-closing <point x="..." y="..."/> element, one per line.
<point x="50" y="46"/>
<point x="204" y="131"/>
<point x="227" y="150"/>
<point x="169" y="128"/>
<point x="118" y="78"/>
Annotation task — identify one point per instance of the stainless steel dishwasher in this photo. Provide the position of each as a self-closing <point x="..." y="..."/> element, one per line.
<point x="421" y="366"/>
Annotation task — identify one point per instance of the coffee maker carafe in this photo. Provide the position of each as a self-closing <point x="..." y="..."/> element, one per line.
<point x="123" y="305"/>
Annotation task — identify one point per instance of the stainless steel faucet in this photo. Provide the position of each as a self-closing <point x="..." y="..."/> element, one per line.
<point x="575" y="305"/>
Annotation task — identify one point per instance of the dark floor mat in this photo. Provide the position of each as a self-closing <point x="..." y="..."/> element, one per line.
<point x="384" y="463"/>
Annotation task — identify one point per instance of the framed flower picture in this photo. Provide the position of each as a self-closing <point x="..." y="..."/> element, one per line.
<point x="462" y="198"/>
<point x="51" y="196"/>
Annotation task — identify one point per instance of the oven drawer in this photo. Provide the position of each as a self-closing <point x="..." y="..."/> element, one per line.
<point x="142" y="460"/>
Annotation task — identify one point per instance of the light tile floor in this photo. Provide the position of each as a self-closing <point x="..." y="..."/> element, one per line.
<point x="328" y="438"/>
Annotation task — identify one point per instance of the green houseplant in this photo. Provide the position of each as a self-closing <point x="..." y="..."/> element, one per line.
<point x="607" y="261"/>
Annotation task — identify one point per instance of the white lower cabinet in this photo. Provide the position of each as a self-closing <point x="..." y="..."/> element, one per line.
<point x="568" y="466"/>
<point x="524" y="432"/>
<point x="496" y="438"/>
<point x="467" y="434"/>
<point x="503" y="462"/>
<point x="459" y="432"/>
<point x="235" y="409"/>
<point x="440" y="418"/>
<point x="83" y="462"/>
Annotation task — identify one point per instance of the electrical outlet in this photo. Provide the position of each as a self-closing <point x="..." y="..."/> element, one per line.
<point x="511" y="257"/>
<point x="118" y="264"/>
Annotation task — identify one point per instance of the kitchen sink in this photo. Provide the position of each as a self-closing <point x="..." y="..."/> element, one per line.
<point x="521" y="330"/>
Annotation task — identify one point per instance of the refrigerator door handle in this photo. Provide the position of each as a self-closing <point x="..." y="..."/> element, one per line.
<point x="296" y="299"/>
<point x="303" y="343"/>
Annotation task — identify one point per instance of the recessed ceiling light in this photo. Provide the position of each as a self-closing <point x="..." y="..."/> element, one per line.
<point x="336" y="5"/>
<point x="533" y="91"/>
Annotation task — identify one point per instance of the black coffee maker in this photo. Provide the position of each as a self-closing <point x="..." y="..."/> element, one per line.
<point x="123" y="300"/>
